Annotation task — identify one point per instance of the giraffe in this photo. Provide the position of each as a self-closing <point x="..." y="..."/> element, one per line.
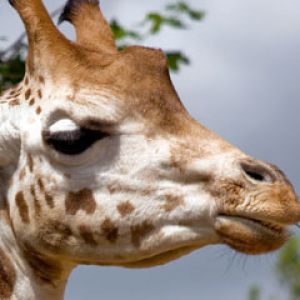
<point x="102" y="164"/>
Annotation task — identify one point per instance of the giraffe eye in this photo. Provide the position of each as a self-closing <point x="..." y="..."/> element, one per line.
<point x="74" y="140"/>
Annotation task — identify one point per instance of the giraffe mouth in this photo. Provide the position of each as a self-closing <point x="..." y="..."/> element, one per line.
<point x="273" y="227"/>
<point x="250" y="235"/>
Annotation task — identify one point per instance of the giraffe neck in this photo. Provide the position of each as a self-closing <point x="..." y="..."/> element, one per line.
<point x="23" y="274"/>
<point x="18" y="279"/>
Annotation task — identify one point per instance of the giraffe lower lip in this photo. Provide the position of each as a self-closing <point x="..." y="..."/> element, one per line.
<point x="250" y="236"/>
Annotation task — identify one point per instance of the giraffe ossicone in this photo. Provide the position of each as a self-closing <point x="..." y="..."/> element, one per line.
<point x="101" y="164"/>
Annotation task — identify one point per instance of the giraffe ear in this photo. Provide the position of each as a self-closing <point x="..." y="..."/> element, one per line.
<point x="46" y="43"/>
<point x="92" y="29"/>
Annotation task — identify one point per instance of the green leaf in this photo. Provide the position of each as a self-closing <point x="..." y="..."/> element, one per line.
<point x="121" y="33"/>
<point x="178" y="7"/>
<point x="157" y="20"/>
<point x="288" y="267"/>
<point x="254" y="293"/>
<point x="183" y="8"/>
<point x="11" y="72"/>
<point x="197" y="15"/>
<point x="174" y="22"/>
<point x="176" y="59"/>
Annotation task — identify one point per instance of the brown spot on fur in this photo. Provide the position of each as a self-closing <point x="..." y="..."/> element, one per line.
<point x="44" y="268"/>
<point x="26" y="80"/>
<point x="27" y="94"/>
<point x="82" y="200"/>
<point x="9" y="97"/>
<point x="22" y="174"/>
<point x="182" y="154"/>
<point x="14" y="102"/>
<point x="4" y="212"/>
<point x="38" y="110"/>
<point x="172" y="202"/>
<point x="49" y="200"/>
<point x="23" y="207"/>
<point x="55" y="235"/>
<point x="87" y="235"/>
<point x="125" y="208"/>
<point x="139" y="232"/>
<point x="30" y="163"/>
<point x="113" y="188"/>
<point x="109" y="230"/>
<point x="32" y="101"/>
<point x="40" y="94"/>
<point x="41" y="79"/>
<point x="41" y="185"/>
<point x="7" y="276"/>
<point x="37" y="205"/>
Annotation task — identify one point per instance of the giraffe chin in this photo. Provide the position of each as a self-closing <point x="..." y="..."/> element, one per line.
<point x="250" y="236"/>
<point x="161" y="259"/>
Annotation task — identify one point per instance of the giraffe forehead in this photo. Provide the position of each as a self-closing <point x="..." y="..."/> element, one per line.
<point x="147" y="98"/>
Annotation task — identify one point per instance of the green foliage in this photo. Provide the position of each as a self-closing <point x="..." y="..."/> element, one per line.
<point x="176" y="59"/>
<point x="121" y="33"/>
<point x="157" y="21"/>
<point x="175" y="16"/>
<point x="182" y="7"/>
<point x="254" y="293"/>
<point x="288" y="268"/>
<point x="11" y="72"/>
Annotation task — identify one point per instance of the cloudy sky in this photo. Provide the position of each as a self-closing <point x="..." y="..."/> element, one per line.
<point x="243" y="84"/>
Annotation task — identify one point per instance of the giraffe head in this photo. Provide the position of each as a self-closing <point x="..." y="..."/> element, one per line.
<point x="107" y="167"/>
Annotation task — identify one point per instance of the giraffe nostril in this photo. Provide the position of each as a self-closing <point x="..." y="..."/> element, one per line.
<point x="258" y="172"/>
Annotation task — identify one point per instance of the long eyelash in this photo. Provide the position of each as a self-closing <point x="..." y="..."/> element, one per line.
<point x="65" y="135"/>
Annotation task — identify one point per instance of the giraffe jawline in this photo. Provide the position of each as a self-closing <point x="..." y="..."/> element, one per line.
<point x="161" y="258"/>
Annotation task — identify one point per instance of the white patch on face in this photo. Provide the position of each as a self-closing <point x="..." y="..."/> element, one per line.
<point x="63" y="125"/>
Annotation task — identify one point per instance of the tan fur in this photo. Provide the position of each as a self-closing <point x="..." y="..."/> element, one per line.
<point x="44" y="268"/>
<point x="55" y="235"/>
<point x="92" y="30"/>
<point x="7" y="276"/>
<point x="36" y="202"/>
<point x="172" y="202"/>
<point x="30" y="163"/>
<point x="140" y="232"/>
<point x="81" y="200"/>
<point x="109" y="230"/>
<point x="22" y="207"/>
<point x="125" y="208"/>
<point x="87" y="235"/>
